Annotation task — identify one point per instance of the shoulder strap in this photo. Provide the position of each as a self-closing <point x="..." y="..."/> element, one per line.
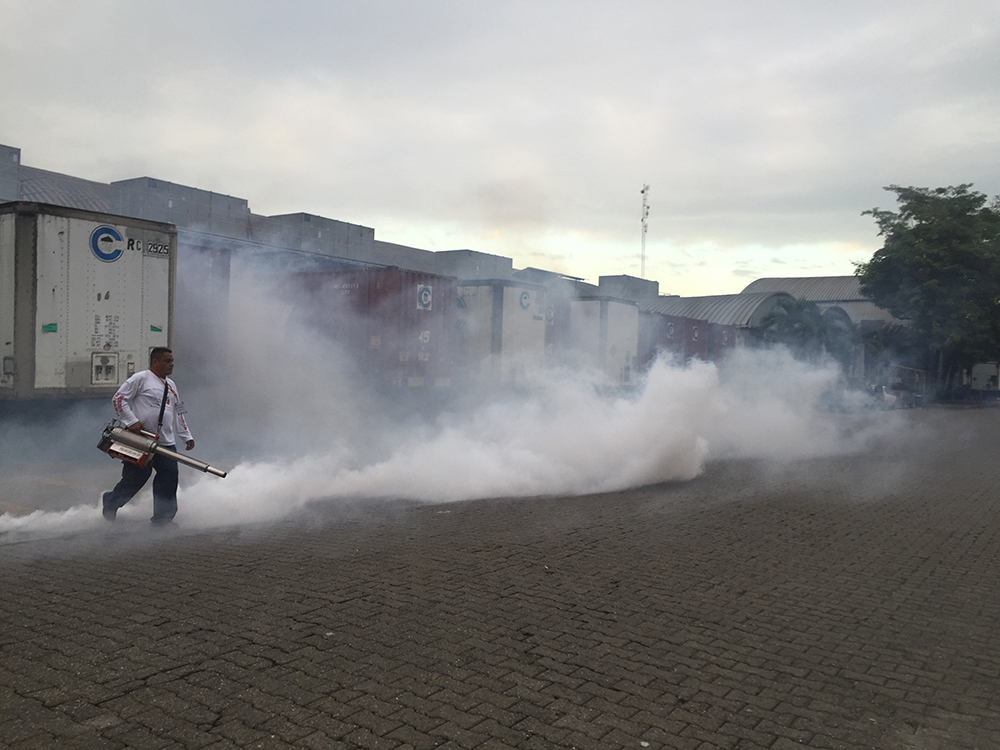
<point x="163" y="407"/>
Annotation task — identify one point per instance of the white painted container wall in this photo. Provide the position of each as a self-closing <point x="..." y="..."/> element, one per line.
<point x="985" y="377"/>
<point x="7" y="286"/>
<point x="523" y="331"/>
<point x="475" y="313"/>
<point x="622" y="340"/>
<point x="585" y="330"/>
<point x="501" y="329"/>
<point x="606" y="333"/>
<point x="83" y="297"/>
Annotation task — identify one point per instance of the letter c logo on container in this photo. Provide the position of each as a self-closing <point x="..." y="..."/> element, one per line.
<point x="424" y="297"/>
<point x="107" y="244"/>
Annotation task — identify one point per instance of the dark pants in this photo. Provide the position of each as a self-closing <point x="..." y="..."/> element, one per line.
<point x="164" y="485"/>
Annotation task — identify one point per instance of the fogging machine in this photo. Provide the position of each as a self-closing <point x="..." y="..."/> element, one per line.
<point x="139" y="448"/>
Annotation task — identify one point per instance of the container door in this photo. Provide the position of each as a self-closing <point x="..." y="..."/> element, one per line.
<point x="7" y="283"/>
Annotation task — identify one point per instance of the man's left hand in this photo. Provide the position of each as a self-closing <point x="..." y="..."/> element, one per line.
<point x="189" y="444"/>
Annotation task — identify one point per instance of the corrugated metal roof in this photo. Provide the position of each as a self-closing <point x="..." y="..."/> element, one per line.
<point x="724" y="309"/>
<point x="812" y="288"/>
<point x="827" y="291"/>
<point x="42" y="186"/>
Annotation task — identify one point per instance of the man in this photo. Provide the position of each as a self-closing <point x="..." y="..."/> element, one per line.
<point x="137" y="404"/>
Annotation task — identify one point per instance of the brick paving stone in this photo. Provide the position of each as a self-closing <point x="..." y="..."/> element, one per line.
<point x="783" y="743"/>
<point x="223" y="745"/>
<point x="492" y="729"/>
<point x="35" y="742"/>
<point x="495" y="744"/>
<point x="407" y="735"/>
<point x="320" y="741"/>
<point x="361" y="737"/>
<point x="838" y="602"/>
<point x="285" y="729"/>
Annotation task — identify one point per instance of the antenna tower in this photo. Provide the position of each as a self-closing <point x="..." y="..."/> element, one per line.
<point x="645" y="216"/>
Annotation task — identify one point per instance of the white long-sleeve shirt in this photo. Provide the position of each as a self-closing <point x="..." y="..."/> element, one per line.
<point x="139" y="399"/>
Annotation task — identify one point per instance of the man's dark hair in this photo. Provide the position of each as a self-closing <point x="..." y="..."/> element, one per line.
<point x="158" y="351"/>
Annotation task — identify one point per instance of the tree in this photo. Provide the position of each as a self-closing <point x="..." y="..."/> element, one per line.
<point x="808" y="333"/>
<point x="939" y="270"/>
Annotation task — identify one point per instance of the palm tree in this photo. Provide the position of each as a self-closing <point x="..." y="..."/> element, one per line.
<point x="808" y="333"/>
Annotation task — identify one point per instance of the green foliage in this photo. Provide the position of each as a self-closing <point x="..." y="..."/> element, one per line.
<point x="840" y="336"/>
<point x="896" y="345"/>
<point x="809" y="334"/>
<point x="939" y="270"/>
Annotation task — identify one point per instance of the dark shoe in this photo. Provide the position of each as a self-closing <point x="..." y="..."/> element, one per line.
<point x="110" y="512"/>
<point x="162" y="523"/>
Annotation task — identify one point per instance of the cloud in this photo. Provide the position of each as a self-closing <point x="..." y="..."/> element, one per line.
<point x="768" y="125"/>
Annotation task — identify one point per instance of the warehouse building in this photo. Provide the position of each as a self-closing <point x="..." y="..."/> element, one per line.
<point x="210" y="220"/>
<point x="835" y="295"/>
<point x="727" y="316"/>
<point x="623" y="322"/>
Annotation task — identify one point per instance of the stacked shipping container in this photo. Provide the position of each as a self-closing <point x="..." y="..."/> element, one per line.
<point x="84" y="296"/>
<point x="400" y="325"/>
<point x="681" y="338"/>
<point x="502" y="329"/>
<point x="722" y="339"/>
<point x="606" y="332"/>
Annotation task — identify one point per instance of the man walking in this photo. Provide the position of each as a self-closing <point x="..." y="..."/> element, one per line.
<point x="138" y="404"/>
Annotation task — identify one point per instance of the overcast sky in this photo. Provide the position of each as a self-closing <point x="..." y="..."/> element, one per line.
<point x="527" y="129"/>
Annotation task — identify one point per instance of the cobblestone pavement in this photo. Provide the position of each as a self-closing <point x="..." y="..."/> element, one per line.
<point x="835" y="603"/>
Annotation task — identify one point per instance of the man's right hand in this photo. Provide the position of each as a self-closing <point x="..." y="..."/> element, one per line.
<point x="135" y="427"/>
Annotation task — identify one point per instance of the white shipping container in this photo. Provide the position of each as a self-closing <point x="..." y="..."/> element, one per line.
<point x="985" y="377"/>
<point x="7" y="302"/>
<point x="83" y="299"/>
<point x="606" y="332"/>
<point x="501" y="329"/>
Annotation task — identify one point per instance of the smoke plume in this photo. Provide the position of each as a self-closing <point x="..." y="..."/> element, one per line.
<point x="300" y="426"/>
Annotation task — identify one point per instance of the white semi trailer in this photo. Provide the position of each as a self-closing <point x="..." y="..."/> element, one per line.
<point x="606" y="331"/>
<point x="985" y="377"/>
<point x="83" y="298"/>
<point x="501" y="329"/>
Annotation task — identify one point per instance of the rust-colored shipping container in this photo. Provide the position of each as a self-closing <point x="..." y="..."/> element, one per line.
<point x="695" y="333"/>
<point x="399" y="325"/>
<point x="685" y="338"/>
<point x="722" y="339"/>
